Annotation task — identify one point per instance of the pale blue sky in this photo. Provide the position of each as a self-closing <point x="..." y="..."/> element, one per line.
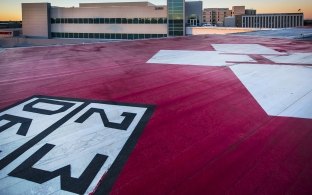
<point x="11" y="9"/>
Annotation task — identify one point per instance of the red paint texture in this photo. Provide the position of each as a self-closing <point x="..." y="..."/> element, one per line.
<point x="207" y="135"/>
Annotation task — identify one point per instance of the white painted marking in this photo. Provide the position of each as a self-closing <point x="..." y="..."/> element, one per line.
<point x="76" y="144"/>
<point x="280" y="90"/>
<point x="9" y="140"/>
<point x="295" y="58"/>
<point x="244" y="49"/>
<point x="46" y="106"/>
<point x="201" y="58"/>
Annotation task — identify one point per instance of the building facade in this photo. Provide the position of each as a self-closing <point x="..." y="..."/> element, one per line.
<point x="134" y="20"/>
<point x="215" y="16"/>
<point x="281" y="20"/>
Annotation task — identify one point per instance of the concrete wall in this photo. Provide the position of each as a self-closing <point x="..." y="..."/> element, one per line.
<point x="36" y="20"/>
<point x="110" y="12"/>
<point x="144" y="3"/>
<point x="229" y="21"/>
<point x="215" y="30"/>
<point x="111" y="28"/>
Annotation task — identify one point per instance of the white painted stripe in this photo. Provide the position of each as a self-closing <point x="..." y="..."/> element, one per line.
<point x="296" y="58"/>
<point x="244" y="49"/>
<point x="280" y="90"/>
<point x="201" y="58"/>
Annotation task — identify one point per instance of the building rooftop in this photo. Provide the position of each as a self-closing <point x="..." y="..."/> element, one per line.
<point x="212" y="114"/>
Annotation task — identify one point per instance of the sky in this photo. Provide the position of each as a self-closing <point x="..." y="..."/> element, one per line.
<point x="11" y="9"/>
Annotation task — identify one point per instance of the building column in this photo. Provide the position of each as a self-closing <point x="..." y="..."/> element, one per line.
<point x="296" y="20"/>
<point x="248" y="20"/>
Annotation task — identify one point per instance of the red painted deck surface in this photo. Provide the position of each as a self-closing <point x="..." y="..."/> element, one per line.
<point x="207" y="135"/>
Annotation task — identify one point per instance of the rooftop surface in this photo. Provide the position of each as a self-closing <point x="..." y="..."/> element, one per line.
<point x="192" y="115"/>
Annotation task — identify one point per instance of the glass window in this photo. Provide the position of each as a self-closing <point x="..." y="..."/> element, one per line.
<point x="96" y="20"/>
<point x="101" y="35"/>
<point x="80" y="21"/>
<point x="57" y="20"/>
<point x="66" y="35"/>
<point x="118" y="36"/>
<point x="91" y="21"/>
<point x="101" y="20"/>
<point x="86" y="21"/>
<point x="147" y="36"/>
<point x="62" y="21"/>
<point x="135" y="36"/>
<point x="62" y="35"/>
<point x="124" y="20"/>
<point x="76" y="35"/>
<point x="106" y="20"/>
<point x="141" y="20"/>
<point x="112" y="20"/>
<point x="124" y="36"/>
<point x="147" y="21"/>
<point x="52" y="20"/>
<point x="154" y="35"/>
<point x="118" y="20"/>
<point x="141" y="36"/>
<point x="153" y="21"/>
<point x="96" y="35"/>
<point x="165" y="20"/>
<point x="160" y="21"/>
<point x="70" y="20"/>
<point x="76" y="21"/>
<point x="85" y="35"/>
<point x="70" y="35"/>
<point x="130" y="21"/>
<point x="135" y="20"/>
<point x="130" y="36"/>
<point x="113" y="36"/>
<point x="80" y="35"/>
<point x="107" y="36"/>
<point x="91" y="35"/>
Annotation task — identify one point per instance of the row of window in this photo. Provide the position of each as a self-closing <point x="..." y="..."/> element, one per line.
<point x="108" y="20"/>
<point x="106" y="35"/>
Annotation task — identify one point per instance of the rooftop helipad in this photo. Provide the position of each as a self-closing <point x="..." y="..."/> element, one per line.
<point x="193" y="115"/>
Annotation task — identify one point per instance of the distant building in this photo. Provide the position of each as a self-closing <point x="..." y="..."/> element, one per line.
<point x="123" y="20"/>
<point x="215" y="16"/>
<point x="250" y="12"/>
<point x="238" y="10"/>
<point x="281" y="20"/>
<point x="193" y="13"/>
